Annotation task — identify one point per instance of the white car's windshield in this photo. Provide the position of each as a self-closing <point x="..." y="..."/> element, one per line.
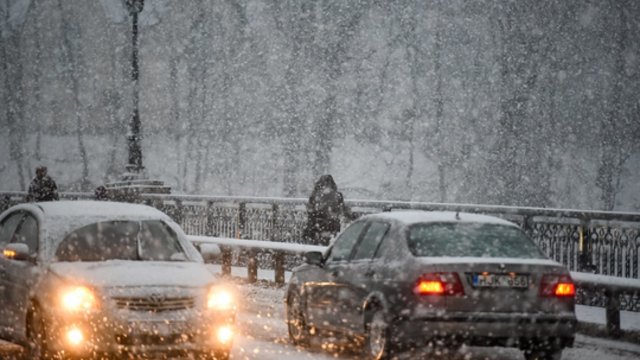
<point x="471" y="240"/>
<point x="150" y="240"/>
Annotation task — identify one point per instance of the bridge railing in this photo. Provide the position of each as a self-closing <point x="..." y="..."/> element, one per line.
<point x="605" y="243"/>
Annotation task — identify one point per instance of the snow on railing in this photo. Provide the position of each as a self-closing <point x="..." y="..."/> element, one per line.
<point x="619" y="293"/>
<point x="278" y="250"/>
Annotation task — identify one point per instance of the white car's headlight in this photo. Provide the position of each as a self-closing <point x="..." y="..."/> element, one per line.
<point x="220" y="298"/>
<point x="78" y="298"/>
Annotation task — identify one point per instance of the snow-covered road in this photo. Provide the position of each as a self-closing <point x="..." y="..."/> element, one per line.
<point x="263" y="336"/>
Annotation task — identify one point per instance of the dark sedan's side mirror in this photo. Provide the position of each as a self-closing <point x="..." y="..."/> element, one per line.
<point x="313" y="258"/>
<point x="16" y="251"/>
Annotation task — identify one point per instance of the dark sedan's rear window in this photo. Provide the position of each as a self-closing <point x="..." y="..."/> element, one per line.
<point x="471" y="240"/>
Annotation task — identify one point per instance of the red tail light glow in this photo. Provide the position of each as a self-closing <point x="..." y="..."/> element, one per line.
<point x="565" y="289"/>
<point x="439" y="284"/>
<point x="430" y="287"/>
<point x="557" y="285"/>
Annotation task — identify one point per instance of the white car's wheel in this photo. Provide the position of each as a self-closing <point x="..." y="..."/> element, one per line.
<point x="36" y="336"/>
<point x="296" y="323"/>
<point x="216" y="355"/>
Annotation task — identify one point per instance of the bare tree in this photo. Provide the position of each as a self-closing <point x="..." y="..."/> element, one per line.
<point x="295" y="23"/>
<point x="338" y="22"/>
<point x="196" y="70"/>
<point x="516" y="159"/>
<point x="14" y="97"/>
<point x="113" y="100"/>
<point x="618" y="139"/>
<point x="72" y="58"/>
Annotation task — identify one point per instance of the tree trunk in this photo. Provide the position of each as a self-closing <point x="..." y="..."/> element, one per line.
<point x="14" y="95"/>
<point x="71" y="72"/>
<point x="441" y="143"/>
<point x="613" y="154"/>
<point x="291" y="135"/>
<point x="324" y="134"/>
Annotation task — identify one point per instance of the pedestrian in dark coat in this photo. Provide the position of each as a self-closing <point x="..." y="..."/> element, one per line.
<point x="324" y="211"/>
<point x="42" y="187"/>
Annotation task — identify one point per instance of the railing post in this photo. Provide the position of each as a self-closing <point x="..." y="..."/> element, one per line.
<point x="179" y="213"/>
<point x="226" y="261"/>
<point x="275" y="228"/>
<point x="613" y="312"/>
<point x="252" y="266"/>
<point x="278" y="256"/>
<point x="210" y="220"/>
<point x="278" y="266"/>
<point x="242" y="218"/>
<point x="527" y="225"/>
<point x="584" y="247"/>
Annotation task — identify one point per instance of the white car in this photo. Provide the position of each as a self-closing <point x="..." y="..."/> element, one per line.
<point x="89" y="278"/>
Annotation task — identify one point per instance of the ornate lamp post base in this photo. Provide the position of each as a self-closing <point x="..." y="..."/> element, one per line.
<point x="130" y="190"/>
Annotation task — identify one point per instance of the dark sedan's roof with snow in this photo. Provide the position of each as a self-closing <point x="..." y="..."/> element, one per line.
<point x="416" y="216"/>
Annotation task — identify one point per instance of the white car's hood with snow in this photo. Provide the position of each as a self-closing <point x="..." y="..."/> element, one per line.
<point x="115" y="273"/>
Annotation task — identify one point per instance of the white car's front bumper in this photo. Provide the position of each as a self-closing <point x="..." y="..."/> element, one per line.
<point x="141" y="332"/>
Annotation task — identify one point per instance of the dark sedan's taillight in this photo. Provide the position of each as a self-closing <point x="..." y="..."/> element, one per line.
<point x="557" y="285"/>
<point x="439" y="283"/>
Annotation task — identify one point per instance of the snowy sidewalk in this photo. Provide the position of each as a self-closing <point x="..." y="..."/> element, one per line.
<point x="596" y="315"/>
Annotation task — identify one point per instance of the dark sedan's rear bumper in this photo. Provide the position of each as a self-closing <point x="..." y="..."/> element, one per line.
<point x="515" y="330"/>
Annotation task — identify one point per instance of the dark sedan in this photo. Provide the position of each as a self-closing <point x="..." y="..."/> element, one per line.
<point x="433" y="279"/>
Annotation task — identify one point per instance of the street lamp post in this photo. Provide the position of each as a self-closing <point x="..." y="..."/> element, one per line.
<point x="134" y="167"/>
<point x="134" y="181"/>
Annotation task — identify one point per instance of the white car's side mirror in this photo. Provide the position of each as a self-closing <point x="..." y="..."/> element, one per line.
<point x="210" y="252"/>
<point x="16" y="251"/>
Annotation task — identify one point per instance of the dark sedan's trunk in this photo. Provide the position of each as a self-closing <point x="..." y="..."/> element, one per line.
<point x="503" y="287"/>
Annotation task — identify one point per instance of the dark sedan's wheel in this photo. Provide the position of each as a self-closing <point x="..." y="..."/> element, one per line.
<point x="543" y="354"/>
<point x="378" y="345"/>
<point x="296" y="323"/>
<point x="36" y="336"/>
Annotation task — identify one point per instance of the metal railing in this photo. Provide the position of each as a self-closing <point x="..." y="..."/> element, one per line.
<point x="606" y="243"/>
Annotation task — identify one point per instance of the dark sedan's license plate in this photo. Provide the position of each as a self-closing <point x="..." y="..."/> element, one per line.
<point x="500" y="280"/>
